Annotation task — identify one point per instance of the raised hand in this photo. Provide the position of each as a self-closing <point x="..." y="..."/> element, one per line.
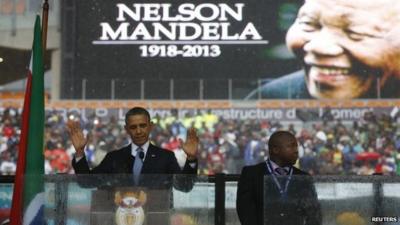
<point x="78" y="139"/>
<point x="190" y="146"/>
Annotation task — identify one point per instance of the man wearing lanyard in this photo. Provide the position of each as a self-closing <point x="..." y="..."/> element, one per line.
<point x="275" y="192"/>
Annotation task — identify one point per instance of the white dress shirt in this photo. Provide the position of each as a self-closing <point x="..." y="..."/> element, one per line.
<point x="144" y="147"/>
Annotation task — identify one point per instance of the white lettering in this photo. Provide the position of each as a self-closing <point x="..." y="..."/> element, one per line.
<point x="141" y="30"/>
<point x="225" y="32"/>
<point x="210" y="31"/>
<point x="238" y="14"/>
<point x="166" y="16"/>
<point x="162" y="12"/>
<point x="186" y="9"/>
<point x="170" y="34"/>
<point x="123" y="9"/>
<point x="108" y="33"/>
<point x="214" y="12"/>
<point x="151" y="12"/>
<point x="187" y="29"/>
<point x="251" y="31"/>
<point x="184" y="28"/>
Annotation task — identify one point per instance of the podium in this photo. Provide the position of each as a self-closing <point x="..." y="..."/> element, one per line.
<point x="125" y="205"/>
<point x="115" y="200"/>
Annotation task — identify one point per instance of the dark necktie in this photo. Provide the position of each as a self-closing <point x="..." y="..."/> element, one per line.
<point x="137" y="166"/>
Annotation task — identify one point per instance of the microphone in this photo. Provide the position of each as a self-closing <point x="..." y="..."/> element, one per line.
<point x="141" y="155"/>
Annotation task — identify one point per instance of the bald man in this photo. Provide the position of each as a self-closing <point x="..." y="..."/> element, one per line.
<point x="289" y="193"/>
<point x="349" y="49"/>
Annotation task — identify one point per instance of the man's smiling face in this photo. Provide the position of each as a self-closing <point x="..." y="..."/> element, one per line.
<point x="347" y="45"/>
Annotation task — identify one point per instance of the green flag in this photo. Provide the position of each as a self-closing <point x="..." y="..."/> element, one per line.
<point x="33" y="196"/>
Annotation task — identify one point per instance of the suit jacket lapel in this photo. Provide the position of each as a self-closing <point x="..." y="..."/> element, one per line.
<point x="127" y="154"/>
<point x="297" y="171"/>
<point x="151" y="155"/>
<point x="265" y="169"/>
<point x="127" y="149"/>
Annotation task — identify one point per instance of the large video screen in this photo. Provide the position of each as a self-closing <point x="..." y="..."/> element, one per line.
<point x="230" y="49"/>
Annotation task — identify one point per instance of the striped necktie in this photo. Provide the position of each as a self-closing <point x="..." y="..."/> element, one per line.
<point x="137" y="166"/>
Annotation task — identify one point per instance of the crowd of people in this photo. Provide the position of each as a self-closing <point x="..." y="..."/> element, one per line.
<point x="327" y="146"/>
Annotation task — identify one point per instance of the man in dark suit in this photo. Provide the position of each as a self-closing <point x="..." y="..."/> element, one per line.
<point x="149" y="159"/>
<point x="274" y="192"/>
<point x="152" y="168"/>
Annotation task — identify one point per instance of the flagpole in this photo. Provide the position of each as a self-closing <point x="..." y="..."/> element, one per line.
<point x="45" y="18"/>
<point x="32" y="121"/>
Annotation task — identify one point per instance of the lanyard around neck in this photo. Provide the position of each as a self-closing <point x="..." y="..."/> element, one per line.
<point x="278" y="185"/>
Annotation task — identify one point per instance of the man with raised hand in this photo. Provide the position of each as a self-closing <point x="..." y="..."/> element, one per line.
<point x="139" y="157"/>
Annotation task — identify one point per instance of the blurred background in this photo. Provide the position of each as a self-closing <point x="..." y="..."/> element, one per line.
<point x="98" y="83"/>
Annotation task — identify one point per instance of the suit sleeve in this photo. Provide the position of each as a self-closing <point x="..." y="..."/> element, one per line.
<point x="185" y="178"/>
<point x="174" y="167"/>
<point x="82" y="166"/>
<point x="312" y="208"/>
<point x="188" y="169"/>
<point x="245" y="199"/>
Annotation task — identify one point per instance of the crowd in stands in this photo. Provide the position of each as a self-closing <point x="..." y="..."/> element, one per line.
<point x="327" y="146"/>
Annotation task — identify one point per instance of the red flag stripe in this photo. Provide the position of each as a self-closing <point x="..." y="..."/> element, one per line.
<point x="16" y="207"/>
